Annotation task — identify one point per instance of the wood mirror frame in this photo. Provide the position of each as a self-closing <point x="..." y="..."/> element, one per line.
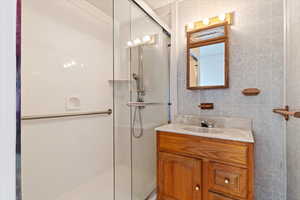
<point x="220" y="39"/>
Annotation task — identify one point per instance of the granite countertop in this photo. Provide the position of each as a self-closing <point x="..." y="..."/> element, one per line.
<point x="233" y="134"/>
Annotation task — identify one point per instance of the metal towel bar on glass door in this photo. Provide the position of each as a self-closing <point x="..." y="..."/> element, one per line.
<point x="54" y="116"/>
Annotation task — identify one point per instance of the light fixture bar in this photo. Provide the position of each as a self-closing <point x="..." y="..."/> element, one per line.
<point x="225" y="17"/>
<point x="145" y="40"/>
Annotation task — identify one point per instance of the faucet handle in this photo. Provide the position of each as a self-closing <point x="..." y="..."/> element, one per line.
<point x="204" y="123"/>
<point x="211" y="124"/>
<point x="207" y="124"/>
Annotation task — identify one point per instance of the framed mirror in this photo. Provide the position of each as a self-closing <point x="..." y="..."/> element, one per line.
<point x="208" y="58"/>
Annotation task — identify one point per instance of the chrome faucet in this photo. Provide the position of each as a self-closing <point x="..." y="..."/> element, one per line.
<point x="207" y="124"/>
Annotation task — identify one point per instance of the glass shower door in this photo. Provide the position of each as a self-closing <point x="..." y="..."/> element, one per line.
<point x="67" y="128"/>
<point x="149" y="76"/>
<point x="141" y="90"/>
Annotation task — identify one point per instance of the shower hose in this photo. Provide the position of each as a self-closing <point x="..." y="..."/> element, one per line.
<point x="137" y="132"/>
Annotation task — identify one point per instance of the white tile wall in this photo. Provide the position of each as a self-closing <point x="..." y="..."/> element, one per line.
<point x="70" y="158"/>
<point x="256" y="60"/>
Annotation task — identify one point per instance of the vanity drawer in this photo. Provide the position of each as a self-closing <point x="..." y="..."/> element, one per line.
<point x="232" y="152"/>
<point x="213" y="196"/>
<point x="227" y="179"/>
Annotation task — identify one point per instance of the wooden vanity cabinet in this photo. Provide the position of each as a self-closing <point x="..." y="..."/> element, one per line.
<point x="180" y="177"/>
<point x="198" y="168"/>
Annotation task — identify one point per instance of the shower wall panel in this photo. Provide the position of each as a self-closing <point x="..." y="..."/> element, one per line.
<point x="67" y="63"/>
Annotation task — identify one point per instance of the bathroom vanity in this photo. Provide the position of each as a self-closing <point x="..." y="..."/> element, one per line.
<point x="196" y="163"/>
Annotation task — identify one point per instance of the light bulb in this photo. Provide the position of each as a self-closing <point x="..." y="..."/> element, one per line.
<point x="129" y="43"/>
<point x="191" y="25"/>
<point x="206" y="21"/>
<point x="146" y="38"/>
<point x="137" y="41"/>
<point x="222" y="17"/>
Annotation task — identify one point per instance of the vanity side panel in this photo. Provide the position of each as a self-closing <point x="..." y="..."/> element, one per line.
<point x="251" y="173"/>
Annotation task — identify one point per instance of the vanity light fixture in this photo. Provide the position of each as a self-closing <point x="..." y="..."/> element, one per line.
<point x="146" y="40"/>
<point x="70" y="64"/>
<point x="222" y="17"/>
<point x="190" y="25"/>
<point x="206" y="21"/>
<point x="129" y="43"/>
<point x="137" y="41"/>
<point x="225" y="17"/>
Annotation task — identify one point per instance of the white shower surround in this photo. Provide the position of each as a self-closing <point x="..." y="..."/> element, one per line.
<point x="72" y="157"/>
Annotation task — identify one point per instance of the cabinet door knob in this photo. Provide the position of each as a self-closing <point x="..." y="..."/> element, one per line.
<point x="226" y="180"/>
<point x="197" y="188"/>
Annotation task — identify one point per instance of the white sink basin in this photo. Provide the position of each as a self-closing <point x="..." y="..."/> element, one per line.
<point x="242" y="135"/>
<point x="203" y="130"/>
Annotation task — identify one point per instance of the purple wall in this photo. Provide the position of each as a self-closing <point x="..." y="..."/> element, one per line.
<point x="18" y="108"/>
<point x="19" y="27"/>
<point x="18" y="81"/>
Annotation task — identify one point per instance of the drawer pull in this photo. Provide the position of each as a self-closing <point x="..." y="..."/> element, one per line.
<point x="226" y="180"/>
<point x="197" y="188"/>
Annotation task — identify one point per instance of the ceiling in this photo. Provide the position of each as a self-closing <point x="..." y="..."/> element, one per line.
<point x="107" y="5"/>
<point x="154" y="4"/>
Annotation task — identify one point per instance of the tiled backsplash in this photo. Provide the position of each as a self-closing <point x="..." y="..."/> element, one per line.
<point x="256" y="60"/>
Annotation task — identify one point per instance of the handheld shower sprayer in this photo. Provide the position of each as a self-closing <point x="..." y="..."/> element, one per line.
<point x="140" y="92"/>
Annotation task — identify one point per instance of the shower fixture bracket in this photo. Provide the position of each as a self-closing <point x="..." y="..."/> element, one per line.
<point x="286" y="113"/>
<point x="142" y="104"/>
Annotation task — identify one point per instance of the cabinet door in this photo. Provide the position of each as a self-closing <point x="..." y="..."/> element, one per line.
<point x="179" y="178"/>
<point x="227" y="179"/>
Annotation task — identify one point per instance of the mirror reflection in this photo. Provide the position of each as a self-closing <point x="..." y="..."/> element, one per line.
<point x="207" y="60"/>
<point x="207" y="65"/>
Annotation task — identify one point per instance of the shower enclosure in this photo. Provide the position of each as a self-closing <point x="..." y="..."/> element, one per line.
<point x="95" y="84"/>
<point x="141" y="99"/>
